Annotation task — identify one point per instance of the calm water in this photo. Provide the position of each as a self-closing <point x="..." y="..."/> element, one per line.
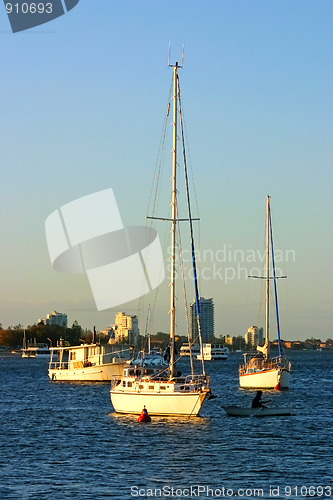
<point x="63" y="441"/>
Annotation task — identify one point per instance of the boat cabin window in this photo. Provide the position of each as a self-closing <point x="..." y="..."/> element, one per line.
<point x="73" y="355"/>
<point x="129" y="384"/>
<point x="124" y="383"/>
<point x="151" y="387"/>
<point x="162" y="387"/>
<point x="140" y="386"/>
<point x="65" y="356"/>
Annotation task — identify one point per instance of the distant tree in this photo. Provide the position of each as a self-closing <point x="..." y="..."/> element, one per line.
<point x="238" y="343"/>
<point x="75" y="333"/>
<point x="50" y="334"/>
<point x="11" y="337"/>
<point x="87" y="336"/>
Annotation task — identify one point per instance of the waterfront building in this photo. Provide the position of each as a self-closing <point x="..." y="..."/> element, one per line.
<point x="206" y="319"/>
<point x="54" y="318"/>
<point x="126" y="329"/>
<point x="254" y="336"/>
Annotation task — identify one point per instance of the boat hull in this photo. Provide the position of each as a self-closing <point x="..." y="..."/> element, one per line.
<point x="35" y="354"/>
<point x="94" y="373"/>
<point x="212" y="357"/>
<point x="175" y="403"/>
<point x="237" y="411"/>
<point x="266" y="379"/>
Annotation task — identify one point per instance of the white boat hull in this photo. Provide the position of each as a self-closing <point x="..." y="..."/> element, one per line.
<point x="94" y="373"/>
<point x="212" y="357"/>
<point x="35" y="354"/>
<point x="237" y="411"/>
<point x="266" y="379"/>
<point x="175" y="403"/>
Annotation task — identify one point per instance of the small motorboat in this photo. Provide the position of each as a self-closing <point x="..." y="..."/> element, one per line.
<point x="241" y="411"/>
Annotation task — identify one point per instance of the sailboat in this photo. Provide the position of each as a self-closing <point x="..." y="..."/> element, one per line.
<point x="162" y="390"/>
<point x="260" y="371"/>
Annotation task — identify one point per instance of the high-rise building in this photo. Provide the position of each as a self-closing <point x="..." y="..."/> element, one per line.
<point x="54" y="318"/>
<point x="126" y="328"/>
<point x="254" y="336"/>
<point x="206" y="319"/>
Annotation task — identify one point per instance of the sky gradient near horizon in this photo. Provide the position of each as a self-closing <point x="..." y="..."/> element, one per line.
<point x="82" y="109"/>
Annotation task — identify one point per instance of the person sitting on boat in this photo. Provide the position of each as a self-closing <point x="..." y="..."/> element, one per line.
<point x="257" y="403"/>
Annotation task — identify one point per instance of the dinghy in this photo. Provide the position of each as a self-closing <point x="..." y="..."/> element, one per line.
<point x="241" y="411"/>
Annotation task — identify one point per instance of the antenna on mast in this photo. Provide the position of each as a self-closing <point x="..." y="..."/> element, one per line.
<point x="176" y="64"/>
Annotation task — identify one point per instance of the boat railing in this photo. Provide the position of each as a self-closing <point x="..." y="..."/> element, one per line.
<point x="282" y="361"/>
<point x="259" y="363"/>
<point x="57" y="365"/>
<point x="119" y="354"/>
<point x="64" y="365"/>
<point x="196" y="382"/>
<point x="115" y="380"/>
<point x="190" y="383"/>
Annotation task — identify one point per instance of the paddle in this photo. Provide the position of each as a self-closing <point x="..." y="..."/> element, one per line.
<point x="261" y="407"/>
<point x="257" y="411"/>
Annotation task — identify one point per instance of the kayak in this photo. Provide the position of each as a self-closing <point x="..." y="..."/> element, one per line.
<point x="240" y="411"/>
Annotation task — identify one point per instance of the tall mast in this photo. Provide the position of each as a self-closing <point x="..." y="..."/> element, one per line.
<point x="267" y="277"/>
<point x="173" y="223"/>
<point x="149" y="332"/>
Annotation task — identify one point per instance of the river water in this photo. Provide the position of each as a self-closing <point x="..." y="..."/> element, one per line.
<point x="63" y="440"/>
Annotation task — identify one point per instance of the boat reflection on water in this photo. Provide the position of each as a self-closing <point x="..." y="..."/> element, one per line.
<point x="160" y="420"/>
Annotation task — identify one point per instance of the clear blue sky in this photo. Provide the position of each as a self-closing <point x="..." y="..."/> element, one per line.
<point x="82" y="107"/>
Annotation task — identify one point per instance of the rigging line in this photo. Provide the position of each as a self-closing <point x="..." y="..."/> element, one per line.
<point x="284" y="270"/>
<point x="157" y="170"/>
<point x="156" y="183"/>
<point x="184" y="288"/>
<point x="185" y="139"/>
<point x="159" y="160"/>
<point x="198" y="240"/>
<point x="190" y="163"/>
<point x="275" y="287"/>
<point x="256" y="248"/>
<point x="276" y="238"/>
<point x="164" y="244"/>
<point x="261" y="302"/>
<point x="165" y="241"/>
<point x="191" y="235"/>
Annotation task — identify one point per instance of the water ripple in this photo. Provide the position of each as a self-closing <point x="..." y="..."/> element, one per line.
<point x="63" y="441"/>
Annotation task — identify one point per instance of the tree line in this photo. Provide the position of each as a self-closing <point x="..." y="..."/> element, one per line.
<point x="13" y="336"/>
